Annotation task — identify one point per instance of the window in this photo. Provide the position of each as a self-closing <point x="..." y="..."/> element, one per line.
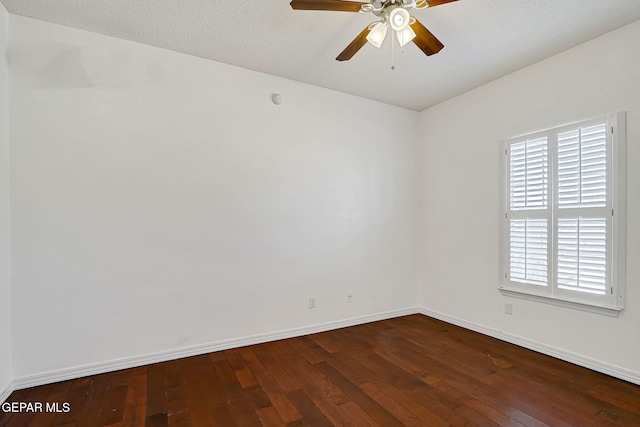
<point x="563" y="214"/>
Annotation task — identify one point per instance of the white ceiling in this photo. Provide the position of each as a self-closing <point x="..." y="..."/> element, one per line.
<point x="484" y="39"/>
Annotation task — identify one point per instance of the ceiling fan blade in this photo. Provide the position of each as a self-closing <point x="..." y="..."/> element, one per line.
<point x="426" y="41"/>
<point x="336" y="5"/>
<point x="354" y="46"/>
<point x="439" y="2"/>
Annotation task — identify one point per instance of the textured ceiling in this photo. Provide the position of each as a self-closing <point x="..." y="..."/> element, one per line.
<point x="484" y="39"/>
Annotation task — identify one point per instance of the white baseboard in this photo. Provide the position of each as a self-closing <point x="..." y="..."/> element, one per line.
<point x="163" y="356"/>
<point x="5" y="392"/>
<point x="141" y="360"/>
<point x="577" y="359"/>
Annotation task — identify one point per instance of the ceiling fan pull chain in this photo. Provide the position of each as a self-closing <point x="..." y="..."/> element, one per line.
<point x="393" y="66"/>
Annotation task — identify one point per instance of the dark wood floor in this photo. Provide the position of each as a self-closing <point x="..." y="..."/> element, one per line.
<point x="413" y="371"/>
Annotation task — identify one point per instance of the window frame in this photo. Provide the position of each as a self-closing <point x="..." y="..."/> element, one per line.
<point x="614" y="299"/>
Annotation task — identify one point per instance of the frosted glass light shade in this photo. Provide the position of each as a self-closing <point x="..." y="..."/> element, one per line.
<point x="377" y="34"/>
<point x="399" y="19"/>
<point x="405" y="36"/>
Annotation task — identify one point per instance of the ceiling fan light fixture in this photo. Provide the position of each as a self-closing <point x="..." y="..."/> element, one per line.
<point x="377" y="34"/>
<point x="399" y="18"/>
<point x="389" y="13"/>
<point x="405" y="36"/>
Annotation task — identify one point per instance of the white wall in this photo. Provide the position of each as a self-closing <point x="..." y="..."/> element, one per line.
<point x="161" y="201"/>
<point x="460" y="194"/>
<point x="5" y="276"/>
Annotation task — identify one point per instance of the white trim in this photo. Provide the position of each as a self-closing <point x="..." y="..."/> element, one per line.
<point x="591" y="308"/>
<point x="619" y="203"/>
<point x="577" y="359"/>
<point x="163" y="356"/>
<point x="503" y="261"/>
<point x="6" y="391"/>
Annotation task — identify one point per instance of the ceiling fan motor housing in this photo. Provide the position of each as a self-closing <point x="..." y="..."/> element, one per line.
<point x="383" y="8"/>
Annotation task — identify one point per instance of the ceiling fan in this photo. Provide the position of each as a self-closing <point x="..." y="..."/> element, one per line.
<point x="392" y="14"/>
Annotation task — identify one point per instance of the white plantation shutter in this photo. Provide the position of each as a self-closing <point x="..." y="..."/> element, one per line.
<point x="582" y="262"/>
<point x="528" y="175"/>
<point x="528" y="169"/>
<point x="528" y="251"/>
<point x="582" y="167"/>
<point x="581" y="255"/>
<point x="561" y="239"/>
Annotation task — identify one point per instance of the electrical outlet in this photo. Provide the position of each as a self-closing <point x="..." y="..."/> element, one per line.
<point x="508" y="308"/>
<point x="312" y="302"/>
<point x="349" y="297"/>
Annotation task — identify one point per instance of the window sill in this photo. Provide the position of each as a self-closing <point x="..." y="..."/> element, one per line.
<point x="597" y="309"/>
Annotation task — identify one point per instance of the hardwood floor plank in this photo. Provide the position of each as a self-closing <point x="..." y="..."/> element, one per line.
<point x="307" y="374"/>
<point x="311" y="414"/>
<point x="178" y="413"/>
<point x="201" y="393"/>
<point x="403" y="392"/>
<point x="391" y="406"/>
<point x="541" y="407"/>
<point x="276" y="395"/>
<point x="157" y="391"/>
<point x="491" y="401"/>
<point x="180" y="418"/>
<point x="618" y="390"/>
<point x="76" y="396"/>
<point x="242" y="372"/>
<point x="285" y="408"/>
<point x="615" y="402"/>
<point x="135" y="401"/>
<point x="113" y="405"/>
<point x="277" y="371"/>
<point x="575" y="409"/>
<point x="411" y="371"/>
<point x="475" y="411"/>
<point x="405" y="389"/>
<point x="92" y="408"/>
<point x="563" y="393"/>
<point x="159" y="419"/>
<point x="318" y="389"/>
<point x="474" y="417"/>
<point x="306" y="351"/>
<point x="370" y="406"/>
<point x="241" y="410"/>
<point x="357" y="416"/>
<point x="269" y="417"/>
<point x="522" y="404"/>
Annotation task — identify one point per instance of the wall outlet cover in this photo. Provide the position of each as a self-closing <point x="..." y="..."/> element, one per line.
<point x="508" y="308"/>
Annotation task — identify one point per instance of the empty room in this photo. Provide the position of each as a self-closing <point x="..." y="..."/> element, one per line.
<point x="319" y="212"/>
